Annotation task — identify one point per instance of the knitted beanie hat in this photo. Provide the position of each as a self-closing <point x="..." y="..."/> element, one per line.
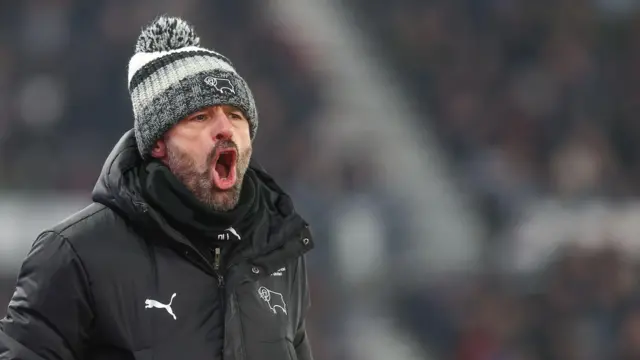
<point x="171" y="76"/>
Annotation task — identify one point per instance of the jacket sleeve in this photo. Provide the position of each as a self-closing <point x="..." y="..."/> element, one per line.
<point x="49" y="315"/>
<point x="301" y="340"/>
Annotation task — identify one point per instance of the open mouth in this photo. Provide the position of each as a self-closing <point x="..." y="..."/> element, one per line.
<point x="225" y="169"/>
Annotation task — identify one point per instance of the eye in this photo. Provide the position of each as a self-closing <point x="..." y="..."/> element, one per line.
<point x="199" y="117"/>
<point x="236" y="115"/>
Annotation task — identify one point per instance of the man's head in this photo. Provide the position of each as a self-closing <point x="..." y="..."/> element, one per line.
<point x="192" y="110"/>
<point x="209" y="151"/>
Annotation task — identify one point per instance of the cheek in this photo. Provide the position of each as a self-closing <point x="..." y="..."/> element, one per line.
<point x="243" y="140"/>
<point x="188" y="153"/>
<point x="201" y="158"/>
<point x="245" y="150"/>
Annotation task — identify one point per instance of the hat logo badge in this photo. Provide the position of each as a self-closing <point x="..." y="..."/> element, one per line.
<point x="223" y="86"/>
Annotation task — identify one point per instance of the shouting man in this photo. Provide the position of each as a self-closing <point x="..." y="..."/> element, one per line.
<point x="190" y="250"/>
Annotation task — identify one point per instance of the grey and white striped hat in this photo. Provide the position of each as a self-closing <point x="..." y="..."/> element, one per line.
<point x="171" y="76"/>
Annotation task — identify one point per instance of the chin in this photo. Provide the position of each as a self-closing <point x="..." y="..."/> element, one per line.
<point x="224" y="200"/>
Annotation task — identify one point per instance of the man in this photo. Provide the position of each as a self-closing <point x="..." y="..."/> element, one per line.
<point x="190" y="250"/>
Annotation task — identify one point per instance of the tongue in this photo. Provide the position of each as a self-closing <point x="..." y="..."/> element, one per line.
<point x="223" y="177"/>
<point x="222" y="170"/>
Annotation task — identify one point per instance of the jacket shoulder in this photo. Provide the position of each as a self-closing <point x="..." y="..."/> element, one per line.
<point x="95" y="222"/>
<point x="101" y="238"/>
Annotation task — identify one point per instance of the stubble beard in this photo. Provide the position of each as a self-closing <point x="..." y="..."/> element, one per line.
<point x="199" y="179"/>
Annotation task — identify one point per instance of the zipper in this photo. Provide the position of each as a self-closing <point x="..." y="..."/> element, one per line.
<point x="223" y="302"/>
<point x="216" y="259"/>
<point x="183" y="240"/>
<point x="216" y="266"/>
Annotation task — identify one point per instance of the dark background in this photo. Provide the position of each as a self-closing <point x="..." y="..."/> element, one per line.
<point x="532" y="102"/>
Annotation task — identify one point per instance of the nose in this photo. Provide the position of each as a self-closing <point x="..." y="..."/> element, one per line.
<point x="222" y="127"/>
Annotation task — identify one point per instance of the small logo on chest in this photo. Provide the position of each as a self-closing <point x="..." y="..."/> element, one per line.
<point x="227" y="235"/>
<point x="158" y="305"/>
<point x="274" y="299"/>
<point x="279" y="272"/>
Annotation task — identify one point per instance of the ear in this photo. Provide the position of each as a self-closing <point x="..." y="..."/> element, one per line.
<point x="159" y="150"/>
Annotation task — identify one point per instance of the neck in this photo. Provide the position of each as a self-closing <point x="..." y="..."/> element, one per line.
<point x="188" y="214"/>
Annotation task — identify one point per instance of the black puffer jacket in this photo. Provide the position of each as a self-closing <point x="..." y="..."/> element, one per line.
<point x="114" y="281"/>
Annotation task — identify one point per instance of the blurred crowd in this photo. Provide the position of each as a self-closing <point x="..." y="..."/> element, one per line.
<point x="531" y="100"/>
<point x="63" y="83"/>
<point x="585" y="306"/>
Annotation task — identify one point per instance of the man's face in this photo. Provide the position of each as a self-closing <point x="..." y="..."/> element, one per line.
<point x="209" y="151"/>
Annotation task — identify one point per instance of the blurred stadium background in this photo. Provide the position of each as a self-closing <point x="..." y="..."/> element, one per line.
<point x="470" y="166"/>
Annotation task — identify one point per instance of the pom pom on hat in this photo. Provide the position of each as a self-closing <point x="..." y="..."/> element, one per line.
<point x="165" y="34"/>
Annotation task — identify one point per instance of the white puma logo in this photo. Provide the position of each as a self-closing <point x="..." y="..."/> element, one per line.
<point x="234" y="232"/>
<point x="226" y="236"/>
<point x="154" y="304"/>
